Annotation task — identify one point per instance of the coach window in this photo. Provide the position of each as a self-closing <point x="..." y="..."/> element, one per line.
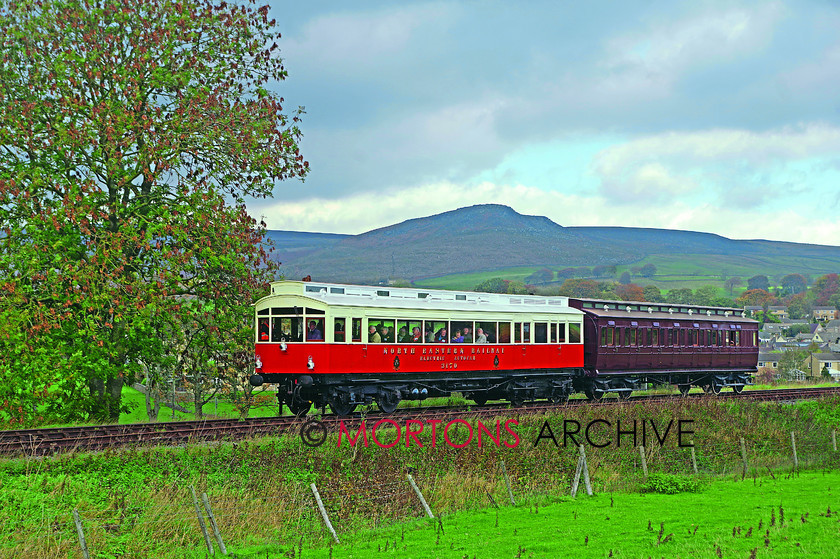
<point x="574" y="332"/>
<point x="654" y="336"/>
<point x="526" y="332"/>
<point x="339" y="330"/>
<point x="436" y="331"/>
<point x="517" y="332"/>
<point x="540" y="333"/>
<point x="504" y="333"/>
<point x="314" y="329"/>
<point x="262" y="329"/>
<point x="489" y="331"/>
<point x="357" y="329"/>
<point x="630" y="336"/>
<point x="466" y="329"/>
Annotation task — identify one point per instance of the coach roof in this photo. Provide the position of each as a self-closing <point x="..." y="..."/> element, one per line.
<point x="414" y="298"/>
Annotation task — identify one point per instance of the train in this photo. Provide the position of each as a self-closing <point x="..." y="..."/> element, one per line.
<point x="337" y="345"/>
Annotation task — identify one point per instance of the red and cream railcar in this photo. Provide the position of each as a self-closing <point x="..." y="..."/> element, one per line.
<point x="629" y="343"/>
<point x="343" y="345"/>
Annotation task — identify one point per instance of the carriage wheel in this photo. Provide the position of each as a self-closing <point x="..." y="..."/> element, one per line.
<point x="339" y="407"/>
<point x="593" y="394"/>
<point x="625" y="394"/>
<point x="516" y="400"/>
<point x="388" y="402"/>
<point x="559" y="397"/>
<point x="297" y="406"/>
<point x="738" y="389"/>
<point x="684" y="389"/>
<point x="712" y="388"/>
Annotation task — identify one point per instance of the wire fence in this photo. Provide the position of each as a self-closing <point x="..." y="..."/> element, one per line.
<point x="286" y="514"/>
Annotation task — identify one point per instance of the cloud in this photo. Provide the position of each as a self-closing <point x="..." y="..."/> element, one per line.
<point x="357" y="44"/>
<point x="662" y="165"/>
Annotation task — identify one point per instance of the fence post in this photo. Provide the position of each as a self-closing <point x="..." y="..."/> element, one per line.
<point x="693" y="460"/>
<point x="744" y="457"/>
<point x="834" y="439"/>
<point x="795" y="457"/>
<point x="323" y="512"/>
<point x="644" y="460"/>
<point x="81" y="532"/>
<point x="420" y="495"/>
<point x="585" y="471"/>
<point x="576" y="480"/>
<point x="201" y="522"/>
<point x="507" y="483"/>
<point x="213" y="524"/>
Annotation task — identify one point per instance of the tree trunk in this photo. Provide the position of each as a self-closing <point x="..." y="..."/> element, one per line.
<point x="106" y="397"/>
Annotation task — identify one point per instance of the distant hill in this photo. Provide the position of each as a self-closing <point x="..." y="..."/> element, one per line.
<point x="492" y="237"/>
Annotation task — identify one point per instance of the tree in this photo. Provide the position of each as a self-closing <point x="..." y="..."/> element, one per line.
<point x="544" y="275"/>
<point x="794" y="283"/>
<point x="630" y="292"/>
<point x="652" y="294"/>
<point x="603" y="271"/>
<point x="758" y="282"/>
<point x="680" y="296"/>
<point x="129" y="141"/>
<point x="492" y="285"/>
<point x="791" y="361"/>
<point x="580" y="288"/>
<point x="625" y="278"/>
<point x="755" y="298"/>
<point x="705" y="295"/>
<point x="732" y="283"/>
<point x="648" y="270"/>
<point x="825" y="287"/>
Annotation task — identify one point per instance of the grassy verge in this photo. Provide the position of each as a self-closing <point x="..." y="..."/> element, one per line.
<point x="136" y="502"/>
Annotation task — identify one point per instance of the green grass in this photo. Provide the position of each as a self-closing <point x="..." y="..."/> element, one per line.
<point x="724" y="515"/>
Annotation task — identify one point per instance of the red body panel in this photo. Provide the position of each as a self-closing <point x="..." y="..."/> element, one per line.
<point x="405" y="358"/>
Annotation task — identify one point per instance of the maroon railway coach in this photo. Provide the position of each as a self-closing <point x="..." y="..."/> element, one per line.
<point x="630" y="343"/>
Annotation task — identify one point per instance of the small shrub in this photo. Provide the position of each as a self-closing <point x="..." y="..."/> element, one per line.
<point x="670" y="484"/>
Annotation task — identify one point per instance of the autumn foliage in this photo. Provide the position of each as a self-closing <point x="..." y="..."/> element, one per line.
<point x="131" y="134"/>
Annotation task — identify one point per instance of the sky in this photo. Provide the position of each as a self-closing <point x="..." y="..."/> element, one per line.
<point x="721" y="117"/>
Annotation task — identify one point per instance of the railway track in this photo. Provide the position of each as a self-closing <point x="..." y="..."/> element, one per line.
<point x="48" y="441"/>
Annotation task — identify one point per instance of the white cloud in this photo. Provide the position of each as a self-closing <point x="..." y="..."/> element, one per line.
<point x="665" y="164"/>
<point x="364" y="212"/>
<point x="350" y="42"/>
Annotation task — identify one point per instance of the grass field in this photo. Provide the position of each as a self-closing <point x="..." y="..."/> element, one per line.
<point x="724" y="518"/>
<point x="673" y="272"/>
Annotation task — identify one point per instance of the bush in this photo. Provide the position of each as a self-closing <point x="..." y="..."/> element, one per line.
<point x="670" y="484"/>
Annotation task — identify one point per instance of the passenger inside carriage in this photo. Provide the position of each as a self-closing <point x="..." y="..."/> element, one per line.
<point x="468" y="338"/>
<point x="314" y="333"/>
<point x="373" y="335"/>
<point x="441" y="336"/>
<point x="416" y="337"/>
<point x="458" y="338"/>
<point x="403" y="336"/>
<point x="480" y="336"/>
<point x="387" y="335"/>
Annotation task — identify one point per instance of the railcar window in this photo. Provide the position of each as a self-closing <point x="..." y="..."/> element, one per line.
<point x="517" y="332"/>
<point x="286" y="330"/>
<point x="504" y="332"/>
<point x="295" y="311"/>
<point x="618" y="336"/>
<point x="630" y="336"/>
<point x="385" y="329"/>
<point x="463" y="331"/>
<point x="526" y="332"/>
<point x="654" y="336"/>
<point x="263" y="312"/>
<point x="314" y="329"/>
<point x="314" y="311"/>
<point x="540" y="333"/>
<point x="487" y="330"/>
<point x="561" y="333"/>
<point x="437" y="331"/>
<point x="357" y="329"/>
<point x="574" y="333"/>
<point x="410" y="331"/>
<point x="338" y="330"/>
<point x="553" y="335"/>
<point x="262" y="329"/>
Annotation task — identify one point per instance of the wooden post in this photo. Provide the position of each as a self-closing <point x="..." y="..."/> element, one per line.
<point x="576" y="479"/>
<point x="744" y="457"/>
<point x="507" y="483"/>
<point x="585" y="471"/>
<point x="201" y="523"/>
<point x="693" y="460"/>
<point x="323" y="512"/>
<point x="81" y="532"/>
<point x="420" y="496"/>
<point x="213" y="524"/>
<point x="644" y="460"/>
<point x="834" y="439"/>
<point x="795" y="457"/>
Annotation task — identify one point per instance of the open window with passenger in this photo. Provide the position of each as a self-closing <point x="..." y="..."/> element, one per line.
<point x="574" y="332"/>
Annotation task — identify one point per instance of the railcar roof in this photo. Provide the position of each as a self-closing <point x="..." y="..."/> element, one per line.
<point x="662" y="311"/>
<point x="414" y="298"/>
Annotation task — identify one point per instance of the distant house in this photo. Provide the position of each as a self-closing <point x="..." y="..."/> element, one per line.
<point x="781" y="312"/>
<point x="809" y="338"/>
<point x="768" y="360"/>
<point x="826" y="313"/>
<point x="816" y="362"/>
